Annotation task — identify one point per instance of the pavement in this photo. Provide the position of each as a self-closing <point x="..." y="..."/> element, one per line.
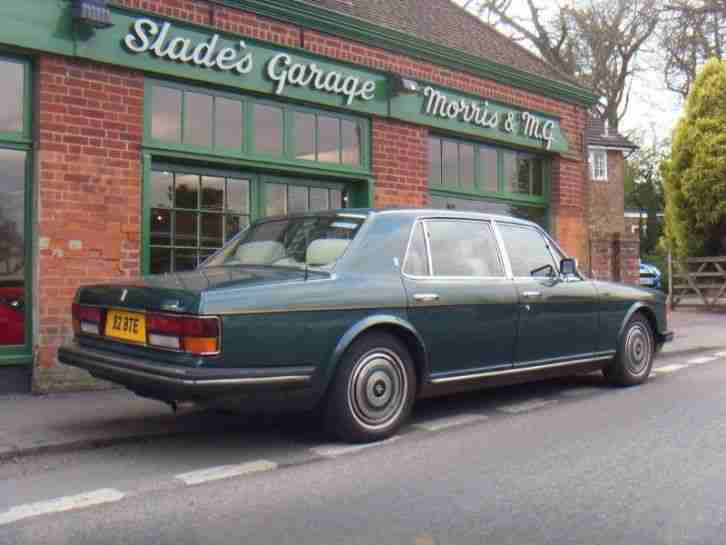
<point x="31" y="425"/>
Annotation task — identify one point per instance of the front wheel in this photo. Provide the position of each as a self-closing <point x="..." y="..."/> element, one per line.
<point x="634" y="358"/>
<point x="373" y="391"/>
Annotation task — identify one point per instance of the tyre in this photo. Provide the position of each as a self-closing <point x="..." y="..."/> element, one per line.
<point x="373" y="390"/>
<point x="634" y="357"/>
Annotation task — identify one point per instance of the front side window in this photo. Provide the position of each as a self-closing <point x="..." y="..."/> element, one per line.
<point x="463" y="248"/>
<point x="528" y="251"/>
<point x="317" y="241"/>
<point x="599" y="165"/>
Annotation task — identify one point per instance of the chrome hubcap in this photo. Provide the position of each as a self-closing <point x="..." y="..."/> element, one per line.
<point x="378" y="389"/>
<point x="638" y="348"/>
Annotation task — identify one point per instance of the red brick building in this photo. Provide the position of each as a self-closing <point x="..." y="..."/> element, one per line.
<point x="139" y="135"/>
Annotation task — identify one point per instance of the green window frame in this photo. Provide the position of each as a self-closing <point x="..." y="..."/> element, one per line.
<point x="455" y="176"/>
<point x="20" y="140"/>
<point x="183" y="104"/>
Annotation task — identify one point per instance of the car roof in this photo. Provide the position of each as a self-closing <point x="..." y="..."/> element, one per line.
<point x="412" y="212"/>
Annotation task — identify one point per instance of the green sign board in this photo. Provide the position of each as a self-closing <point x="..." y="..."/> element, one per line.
<point x="460" y="113"/>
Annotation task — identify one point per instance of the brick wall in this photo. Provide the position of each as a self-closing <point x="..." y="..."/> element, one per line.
<point x="89" y="130"/>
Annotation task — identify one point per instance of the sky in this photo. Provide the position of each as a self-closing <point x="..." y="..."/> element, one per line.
<point x="653" y="109"/>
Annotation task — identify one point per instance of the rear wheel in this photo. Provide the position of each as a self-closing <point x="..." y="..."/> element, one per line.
<point x="373" y="391"/>
<point x="634" y="358"/>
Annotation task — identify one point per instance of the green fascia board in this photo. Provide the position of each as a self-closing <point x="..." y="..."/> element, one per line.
<point x="420" y="108"/>
<point x="325" y="20"/>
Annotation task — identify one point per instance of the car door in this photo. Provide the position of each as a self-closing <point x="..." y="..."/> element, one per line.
<point x="459" y="297"/>
<point x="558" y="317"/>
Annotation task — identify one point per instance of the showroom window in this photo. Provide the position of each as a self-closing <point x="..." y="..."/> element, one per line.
<point x="468" y="175"/>
<point x="15" y="211"/>
<point x="190" y="119"/>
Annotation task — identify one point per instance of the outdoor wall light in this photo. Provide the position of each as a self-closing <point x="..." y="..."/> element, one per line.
<point x="94" y="13"/>
<point x="403" y="86"/>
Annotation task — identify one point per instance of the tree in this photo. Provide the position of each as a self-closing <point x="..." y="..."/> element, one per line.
<point x="644" y="192"/>
<point x="695" y="173"/>
<point x="691" y="32"/>
<point x="596" y="41"/>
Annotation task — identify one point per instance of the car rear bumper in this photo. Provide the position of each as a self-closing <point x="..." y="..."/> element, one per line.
<point x="176" y="383"/>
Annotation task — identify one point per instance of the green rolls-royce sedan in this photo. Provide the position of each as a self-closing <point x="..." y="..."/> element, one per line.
<point x="360" y="313"/>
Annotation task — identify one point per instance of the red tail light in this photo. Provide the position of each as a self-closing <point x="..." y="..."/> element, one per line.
<point x="188" y="334"/>
<point x="87" y="319"/>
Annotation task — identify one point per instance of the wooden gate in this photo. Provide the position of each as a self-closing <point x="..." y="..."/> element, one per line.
<point x="698" y="279"/>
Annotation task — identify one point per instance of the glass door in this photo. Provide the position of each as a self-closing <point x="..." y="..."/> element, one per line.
<point x="14" y="326"/>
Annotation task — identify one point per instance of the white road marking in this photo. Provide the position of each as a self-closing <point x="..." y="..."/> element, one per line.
<point x="720" y="354"/>
<point x="526" y="406"/>
<point x="670" y="368"/>
<point x="225" y="472"/>
<point x="58" y="505"/>
<point x="332" y="451"/>
<point x="449" y="422"/>
<point x="703" y="359"/>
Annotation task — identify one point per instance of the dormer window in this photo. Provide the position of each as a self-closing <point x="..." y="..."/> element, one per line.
<point x="599" y="164"/>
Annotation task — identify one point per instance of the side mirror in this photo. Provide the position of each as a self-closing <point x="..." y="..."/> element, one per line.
<point x="568" y="267"/>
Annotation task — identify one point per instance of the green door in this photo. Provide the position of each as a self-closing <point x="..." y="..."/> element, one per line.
<point x="557" y="318"/>
<point x="459" y="298"/>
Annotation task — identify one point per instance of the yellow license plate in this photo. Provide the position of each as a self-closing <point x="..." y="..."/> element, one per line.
<point x="128" y="326"/>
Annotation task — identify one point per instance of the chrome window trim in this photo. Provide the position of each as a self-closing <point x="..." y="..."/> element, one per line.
<point x="423" y="220"/>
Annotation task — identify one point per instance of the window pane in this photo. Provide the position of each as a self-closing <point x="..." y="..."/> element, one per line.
<point x="351" y="142"/>
<point x="319" y="199"/>
<point x="276" y="195"/>
<point x="328" y="139"/>
<point x="185" y="229"/>
<point x="531" y="213"/>
<point x="11" y="96"/>
<point x="268" y="129"/>
<point x="509" y="164"/>
<point x="212" y="226"/>
<point x="186" y="191"/>
<point x="297" y="198"/>
<point x="463" y="248"/>
<point x="162" y="189"/>
<point x="524" y="166"/>
<point x="198" y="119"/>
<point x="160" y="226"/>
<point x="227" y="123"/>
<point x="160" y="260"/>
<point x="466" y="156"/>
<point x="435" y="160"/>
<point x="336" y="199"/>
<point x="305" y="136"/>
<point x="212" y="193"/>
<point x="185" y="260"/>
<point x="12" y="247"/>
<point x="450" y="160"/>
<point x="234" y="224"/>
<point x="417" y="263"/>
<point x="538" y="177"/>
<point x="527" y="250"/>
<point x="166" y="106"/>
<point x="488" y="169"/>
<point x="238" y="195"/>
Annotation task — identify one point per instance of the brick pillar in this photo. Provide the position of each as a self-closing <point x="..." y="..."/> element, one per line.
<point x="568" y="206"/>
<point x="90" y="127"/>
<point x="400" y="163"/>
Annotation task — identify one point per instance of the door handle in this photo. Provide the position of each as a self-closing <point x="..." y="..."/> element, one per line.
<point x="531" y="294"/>
<point x="426" y="297"/>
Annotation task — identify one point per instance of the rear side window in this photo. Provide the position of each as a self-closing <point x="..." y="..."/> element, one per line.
<point x="463" y="248"/>
<point x="417" y="261"/>
<point x="528" y="251"/>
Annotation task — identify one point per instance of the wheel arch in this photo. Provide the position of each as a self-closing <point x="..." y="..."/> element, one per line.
<point x="394" y="325"/>
<point x="646" y="311"/>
